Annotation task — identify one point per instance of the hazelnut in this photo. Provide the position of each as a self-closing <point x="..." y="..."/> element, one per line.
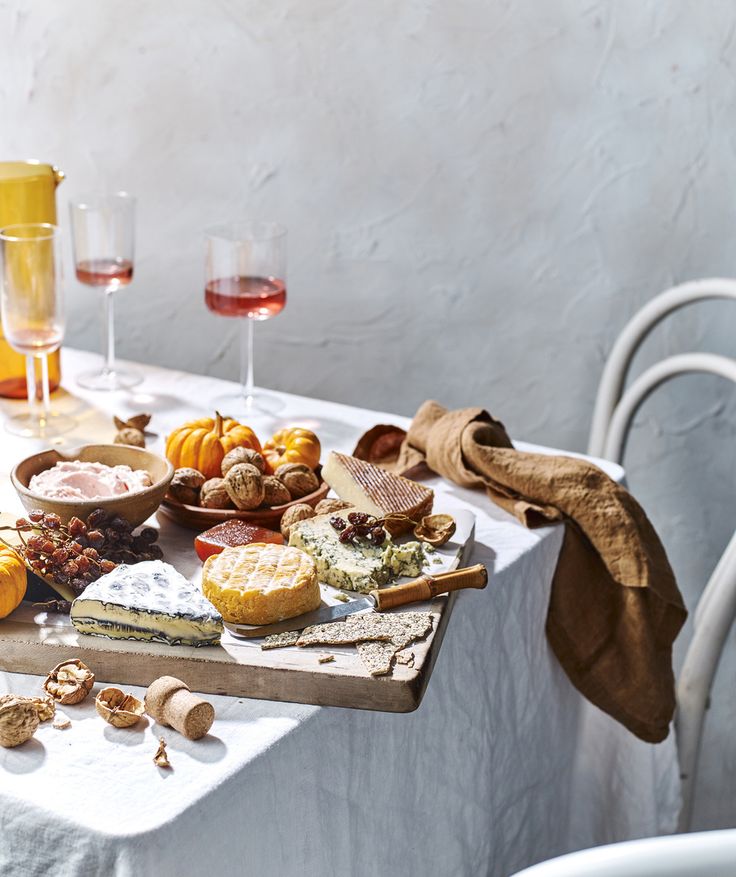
<point x="298" y="512"/>
<point x="18" y="722"/>
<point x="130" y="436"/>
<point x="275" y="492"/>
<point x="242" y="455"/>
<point x="298" y="478"/>
<point x="330" y="506"/>
<point x="185" y="485"/>
<point x="69" y="682"/>
<point x="213" y="495"/>
<point x="244" y="485"/>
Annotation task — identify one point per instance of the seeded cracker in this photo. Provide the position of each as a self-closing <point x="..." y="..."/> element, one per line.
<point x="377" y="657"/>
<point x="325" y="659"/>
<point x="280" y="640"/>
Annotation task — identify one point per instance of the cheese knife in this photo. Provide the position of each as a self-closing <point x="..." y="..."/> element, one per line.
<point x="423" y="588"/>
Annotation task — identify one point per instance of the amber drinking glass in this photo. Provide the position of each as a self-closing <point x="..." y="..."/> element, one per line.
<point x="32" y="307"/>
<point x="103" y="230"/>
<point x="245" y="278"/>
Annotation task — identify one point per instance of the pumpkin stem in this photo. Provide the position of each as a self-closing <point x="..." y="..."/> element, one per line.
<point x="218" y="424"/>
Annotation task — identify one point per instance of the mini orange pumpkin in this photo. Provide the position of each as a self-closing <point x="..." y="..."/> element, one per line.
<point x="292" y="445"/>
<point x="201" y="444"/>
<point x="12" y="580"/>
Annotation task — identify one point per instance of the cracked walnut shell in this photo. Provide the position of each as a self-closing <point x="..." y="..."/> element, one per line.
<point x="18" y="721"/>
<point x="69" y="682"/>
<point x="118" y="708"/>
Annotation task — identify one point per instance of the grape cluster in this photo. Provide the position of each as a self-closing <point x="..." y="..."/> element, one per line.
<point x="359" y="525"/>
<point x="80" y="552"/>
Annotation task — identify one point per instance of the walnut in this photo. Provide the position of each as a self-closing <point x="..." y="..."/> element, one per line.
<point x="214" y="495"/>
<point x="298" y="478"/>
<point x="275" y="491"/>
<point x="18" y="721"/>
<point x="185" y="485"/>
<point x="244" y="485"/>
<point x="130" y="436"/>
<point x="117" y="708"/>
<point x="330" y="506"/>
<point x="242" y="455"/>
<point x="435" y="529"/>
<point x="298" y="512"/>
<point x="69" y="682"/>
<point x="44" y="706"/>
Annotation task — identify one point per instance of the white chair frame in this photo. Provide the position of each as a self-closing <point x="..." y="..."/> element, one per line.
<point x="613" y="414"/>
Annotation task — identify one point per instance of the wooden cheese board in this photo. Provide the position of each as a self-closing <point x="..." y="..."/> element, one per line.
<point x="33" y="641"/>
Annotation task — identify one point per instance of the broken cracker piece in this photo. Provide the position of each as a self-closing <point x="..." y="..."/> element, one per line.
<point x="403" y="658"/>
<point x="161" y="759"/>
<point x="325" y="659"/>
<point x="280" y="640"/>
<point x="400" y="628"/>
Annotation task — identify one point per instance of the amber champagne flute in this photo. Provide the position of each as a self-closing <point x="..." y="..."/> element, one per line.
<point x="32" y="306"/>
<point x="245" y="278"/>
<point x="103" y="232"/>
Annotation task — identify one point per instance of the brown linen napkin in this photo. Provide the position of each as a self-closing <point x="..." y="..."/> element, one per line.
<point x="615" y="608"/>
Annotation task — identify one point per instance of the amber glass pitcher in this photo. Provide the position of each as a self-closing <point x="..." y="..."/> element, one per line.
<point x="27" y="194"/>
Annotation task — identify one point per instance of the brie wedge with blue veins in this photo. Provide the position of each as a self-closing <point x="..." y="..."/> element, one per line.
<point x="358" y="566"/>
<point x="147" y="601"/>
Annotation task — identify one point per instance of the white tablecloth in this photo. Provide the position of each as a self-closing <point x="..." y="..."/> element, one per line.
<point x="504" y="763"/>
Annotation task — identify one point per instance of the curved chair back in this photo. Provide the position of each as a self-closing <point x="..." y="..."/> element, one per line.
<point x="614" y="412"/>
<point x="704" y="854"/>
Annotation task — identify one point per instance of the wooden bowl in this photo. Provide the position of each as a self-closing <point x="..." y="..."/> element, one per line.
<point x="134" y="507"/>
<point x="200" y="519"/>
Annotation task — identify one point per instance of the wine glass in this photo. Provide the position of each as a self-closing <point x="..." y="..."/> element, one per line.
<point x="103" y="236"/>
<point x="32" y="305"/>
<point x="245" y="277"/>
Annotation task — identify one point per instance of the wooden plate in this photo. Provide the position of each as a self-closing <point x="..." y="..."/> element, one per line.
<point x="197" y="518"/>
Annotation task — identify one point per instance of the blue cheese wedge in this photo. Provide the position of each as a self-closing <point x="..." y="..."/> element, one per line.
<point x="359" y="567"/>
<point x="147" y="601"/>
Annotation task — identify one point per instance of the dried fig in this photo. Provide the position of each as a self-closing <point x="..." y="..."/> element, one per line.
<point x="298" y="512"/>
<point x="214" y="495"/>
<point x="244" y="485"/>
<point x="242" y="455"/>
<point x="275" y="492"/>
<point x="69" y="682"/>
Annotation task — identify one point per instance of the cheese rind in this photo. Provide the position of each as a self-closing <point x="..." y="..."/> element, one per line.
<point x="374" y="490"/>
<point x="147" y="601"/>
<point x="360" y="567"/>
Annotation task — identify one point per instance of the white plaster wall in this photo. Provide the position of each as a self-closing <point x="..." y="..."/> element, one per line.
<point x="479" y="192"/>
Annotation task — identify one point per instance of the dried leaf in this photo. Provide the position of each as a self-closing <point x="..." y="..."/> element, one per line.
<point x="138" y="421"/>
<point x="161" y="759"/>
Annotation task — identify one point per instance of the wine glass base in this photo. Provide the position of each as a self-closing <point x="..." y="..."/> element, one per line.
<point x="107" y="381"/>
<point x="31" y="426"/>
<point x="238" y="405"/>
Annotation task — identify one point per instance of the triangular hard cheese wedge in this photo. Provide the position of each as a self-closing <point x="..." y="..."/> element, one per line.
<point x="374" y="490"/>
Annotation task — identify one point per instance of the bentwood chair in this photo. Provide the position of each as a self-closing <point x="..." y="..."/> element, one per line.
<point x="714" y="615"/>
<point x="703" y="854"/>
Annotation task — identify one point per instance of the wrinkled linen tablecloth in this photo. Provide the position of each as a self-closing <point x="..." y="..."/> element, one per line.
<point x="504" y="763"/>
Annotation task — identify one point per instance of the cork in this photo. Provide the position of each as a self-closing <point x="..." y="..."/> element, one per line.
<point x="170" y="702"/>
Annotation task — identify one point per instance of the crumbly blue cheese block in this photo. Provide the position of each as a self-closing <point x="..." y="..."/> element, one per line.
<point x="354" y="567"/>
<point x="147" y="601"/>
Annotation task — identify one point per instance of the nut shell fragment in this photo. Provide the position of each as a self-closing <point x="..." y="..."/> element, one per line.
<point x="161" y="758"/>
<point x="69" y="682"/>
<point x="435" y="529"/>
<point x="18" y="721"/>
<point x="118" y="708"/>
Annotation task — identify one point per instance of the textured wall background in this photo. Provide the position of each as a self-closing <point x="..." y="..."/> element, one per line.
<point x="479" y="193"/>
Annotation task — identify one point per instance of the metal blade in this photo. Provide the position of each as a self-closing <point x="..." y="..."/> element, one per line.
<point x="320" y="616"/>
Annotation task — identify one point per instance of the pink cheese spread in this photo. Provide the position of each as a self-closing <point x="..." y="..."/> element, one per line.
<point x="77" y="480"/>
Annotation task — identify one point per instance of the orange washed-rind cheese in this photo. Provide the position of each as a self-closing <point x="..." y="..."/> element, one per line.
<point x="261" y="583"/>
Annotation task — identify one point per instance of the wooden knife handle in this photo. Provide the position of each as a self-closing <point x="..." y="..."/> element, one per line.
<point x="426" y="587"/>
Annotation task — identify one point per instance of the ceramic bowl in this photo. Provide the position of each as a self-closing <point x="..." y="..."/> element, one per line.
<point x="134" y="507"/>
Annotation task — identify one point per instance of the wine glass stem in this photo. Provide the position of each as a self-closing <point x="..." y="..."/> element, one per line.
<point x="246" y="357"/>
<point x="109" y="366"/>
<point x="45" y="387"/>
<point x="31" y="385"/>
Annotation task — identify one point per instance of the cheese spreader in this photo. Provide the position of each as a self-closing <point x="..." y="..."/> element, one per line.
<point x="423" y="588"/>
